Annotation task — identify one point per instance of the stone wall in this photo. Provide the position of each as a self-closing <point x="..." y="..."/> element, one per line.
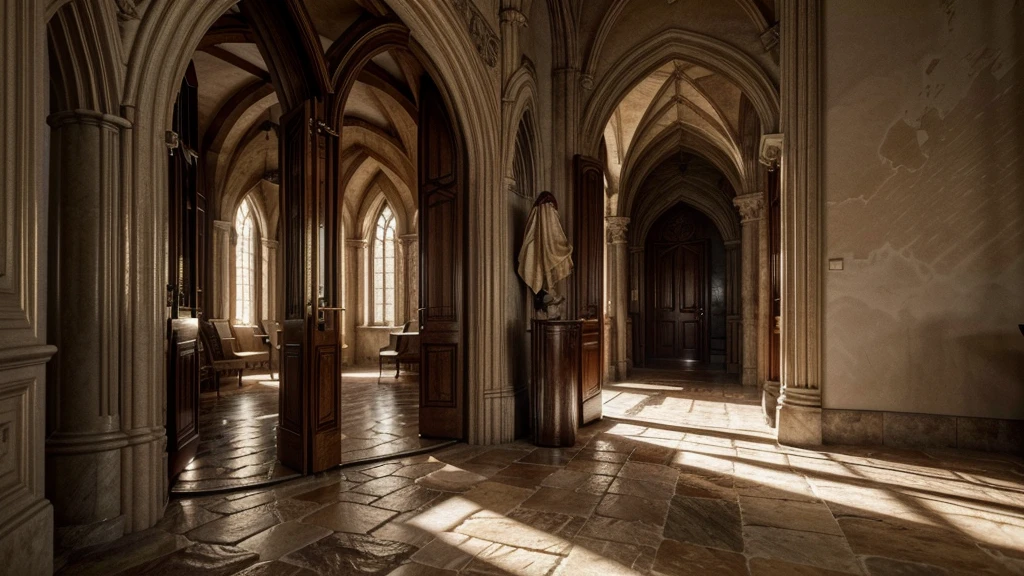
<point x="924" y="192"/>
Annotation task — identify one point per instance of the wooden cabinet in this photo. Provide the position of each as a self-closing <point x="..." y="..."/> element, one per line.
<point x="554" y="394"/>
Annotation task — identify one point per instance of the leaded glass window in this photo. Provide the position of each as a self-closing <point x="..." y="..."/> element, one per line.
<point x="245" y="264"/>
<point x="384" y="268"/>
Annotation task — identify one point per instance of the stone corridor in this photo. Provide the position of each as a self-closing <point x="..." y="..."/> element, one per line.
<point x="700" y="489"/>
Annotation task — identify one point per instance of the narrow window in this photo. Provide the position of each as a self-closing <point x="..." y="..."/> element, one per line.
<point x="384" y="269"/>
<point x="245" y="264"/>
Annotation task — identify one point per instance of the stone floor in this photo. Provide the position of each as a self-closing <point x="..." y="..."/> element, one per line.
<point x="238" y="430"/>
<point x="704" y="490"/>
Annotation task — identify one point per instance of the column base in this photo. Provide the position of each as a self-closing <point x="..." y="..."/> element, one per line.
<point x="798" y="425"/>
<point x="621" y="370"/>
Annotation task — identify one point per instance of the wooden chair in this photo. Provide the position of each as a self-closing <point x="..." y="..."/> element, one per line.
<point x="235" y="349"/>
<point x="271" y="327"/>
<point x="219" y="358"/>
<point x="390" y="352"/>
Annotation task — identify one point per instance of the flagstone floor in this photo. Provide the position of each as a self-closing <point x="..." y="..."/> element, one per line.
<point x="701" y="488"/>
<point x="238" y="430"/>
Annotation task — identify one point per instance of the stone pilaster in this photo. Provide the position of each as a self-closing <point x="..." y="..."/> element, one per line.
<point x="269" y="280"/>
<point x="223" y="262"/>
<point x="799" y="412"/>
<point x="350" y="316"/>
<point x="618" y="237"/>
<point x="84" y="451"/>
<point x="733" y="307"/>
<point x="410" y="275"/>
<point x="751" y="207"/>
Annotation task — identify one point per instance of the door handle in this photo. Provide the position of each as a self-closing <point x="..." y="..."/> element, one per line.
<point x="321" y="318"/>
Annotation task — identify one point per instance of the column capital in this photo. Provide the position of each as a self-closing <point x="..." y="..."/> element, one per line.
<point x="222" y="225"/>
<point x="407" y="239"/>
<point x="770" y="152"/>
<point x="618" y="229"/>
<point x="356" y="243"/>
<point x="732" y="244"/>
<point x="636" y="249"/>
<point x="751" y="207"/>
<point x="108" y="121"/>
<point x="268" y="243"/>
<point x="513" y="16"/>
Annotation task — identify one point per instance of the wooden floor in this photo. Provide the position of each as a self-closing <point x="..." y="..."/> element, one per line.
<point x="238" y="431"/>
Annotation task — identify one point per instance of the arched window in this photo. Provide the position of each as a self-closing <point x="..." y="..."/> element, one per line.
<point x="245" y="264"/>
<point x="384" y="268"/>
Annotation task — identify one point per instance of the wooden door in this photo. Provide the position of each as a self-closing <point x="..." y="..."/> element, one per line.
<point x="775" y="272"/>
<point x="186" y="219"/>
<point x="442" y="230"/>
<point x="588" y="256"/>
<point x="309" y="429"/>
<point x="677" y="314"/>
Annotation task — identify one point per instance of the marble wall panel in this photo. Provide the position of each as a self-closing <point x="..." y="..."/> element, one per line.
<point x="924" y="197"/>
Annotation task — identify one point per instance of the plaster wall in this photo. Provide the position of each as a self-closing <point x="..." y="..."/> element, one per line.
<point x="924" y="190"/>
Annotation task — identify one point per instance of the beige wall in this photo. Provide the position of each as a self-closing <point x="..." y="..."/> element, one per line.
<point x="924" y="188"/>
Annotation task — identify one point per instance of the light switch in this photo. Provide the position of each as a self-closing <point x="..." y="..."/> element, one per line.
<point x="835" y="264"/>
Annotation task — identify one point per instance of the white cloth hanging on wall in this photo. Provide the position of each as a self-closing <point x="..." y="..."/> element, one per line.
<point x="546" y="256"/>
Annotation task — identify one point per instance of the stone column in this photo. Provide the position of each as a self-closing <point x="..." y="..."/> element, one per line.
<point x="511" y="21"/>
<point x="353" y="275"/>
<point x="411" y="259"/>
<point x="223" y="260"/>
<point x="83" y="465"/>
<point x="618" y="286"/>
<point x="733" y="308"/>
<point x="799" y="411"/>
<point x="751" y="207"/>
<point x="637" y="267"/>
<point x="269" y="258"/>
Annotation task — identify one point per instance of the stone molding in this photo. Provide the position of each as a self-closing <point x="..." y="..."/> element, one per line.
<point x="751" y="207"/>
<point x="356" y="243"/>
<point x="513" y="16"/>
<point x="770" y="38"/>
<point x="267" y="243"/>
<point x="770" y="150"/>
<point x="485" y="40"/>
<point x="106" y="121"/>
<point x="618" y="229"/>
<point x="408" y="239"/>
<point x="907" y="430"/>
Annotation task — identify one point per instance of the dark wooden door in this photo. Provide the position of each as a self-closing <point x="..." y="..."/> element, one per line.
<point x="442" y="230"/>
<point x="588" y="256"/>
<point x="309" y="429"/>
<point x="677" y="279"/>
<point x="186" y="222"/>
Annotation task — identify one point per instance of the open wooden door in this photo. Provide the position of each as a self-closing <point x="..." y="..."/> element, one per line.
<point x="442" y="230"/>
<point x="588" y="225"/>
<point x="186" y="229"/>
<point x="309" y="429"/>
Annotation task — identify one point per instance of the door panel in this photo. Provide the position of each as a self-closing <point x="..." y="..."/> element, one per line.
<point x="679" y="307"/>
<point x="309" y="430"/>
<point x="442" y="231"/>
<point x="588" y="279"/>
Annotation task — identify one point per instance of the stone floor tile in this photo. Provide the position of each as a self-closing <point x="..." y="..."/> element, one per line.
<point x="496" y="497"/>
<point x="357" y="498"/>
<point x="236" y="527"/>
<point x="450" y="551"/>
<point x="420" y="469"/>
<point x="564" y="478"/>
<point x="624" y="531"/>
<point x="878" y="566"/>
<point x="583" y="561"/>
<point x="281" y="539"/>
<point x="382" y="486"/>
<point x="623" y="507"/>
<point x="523" y="475"/>
<point x="416" y="569"/>
<point x="773" y="567"/>
<point x="601" y="456"/>
<point x="450" y="479"/>
<point x="276" y="568"/>
<point x="917" y="543"/>
<point x="649" y="472"/>
<point x="510" y="532"/>
<point x="206" y="559"/>
<point x="345" y="554"/>
<point x="678" y="558"/>
<point x="326" y="494"/>
<point x="596" y="484"/>
<point x="562" y="501"/>
<point x="789" y="514"/>
<point x="807" y="548"/>
<point x="406" y="499"/>
<point x="349" y="517"/>
<point x="550" y="456"/>
<point x="498" y="457"/>
<point x="561" y="525"/>
<point x="642" y="489"/>
<point x="180" y="519"/>
<point x="714" y="487"/>
<point x="499" y="559"/>
<point x="705" y="522"/>
<point x="445" y="516"/>
<point x="594" y="466"/>
<point x="242" y="504"/>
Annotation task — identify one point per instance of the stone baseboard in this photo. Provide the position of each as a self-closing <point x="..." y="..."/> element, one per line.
<point x="906" y="430"/>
